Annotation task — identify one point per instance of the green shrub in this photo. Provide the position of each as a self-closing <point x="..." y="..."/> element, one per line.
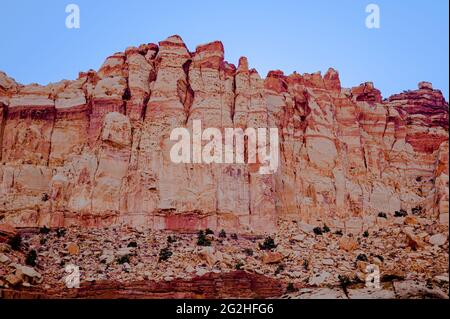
<point x="344" y="282"/>
<point x="44" y="230"/>
<point x="366" y="234"/>
<point x="400" y="213"/>
<point x="132" y="244"/>
<point x="222" y="234"/>
<point x="382" y="215"/>
<point x="279" y="269"/>
<point x="317" y="230"/>
<point x="124" y="259"/>
<point x="362" y="257"/>
<point x="60" y="232"/>
<point x="306" y="264"/>
<point x="165" y="254"/>
<point x="209" y="232"/>
<point x="31" y="258"/>
<point x="268" y="244"/>
<point x="290" y="288"/>
<point x="325" y="229"/>
<point x="202" y="240"/>
<point x="171" y="240"/>
<point x="239" y="265"/>
<point x="45" y="197"/>
<point x="15" y="242"/>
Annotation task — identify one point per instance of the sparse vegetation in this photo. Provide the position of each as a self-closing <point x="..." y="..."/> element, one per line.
<point x="165" y="254"/>
<point x="279" y="269"/>
<point x="400" y="213"/>
<point x="60" y="232"/>
<point x="362" y="257"/>
<point x="306" y="264"/>
<point x="339" y="232"/>
<point x="15" y="242"/>
<point x="44" y="230"/>
<point x="248" y="252"/>
<point x="222" y="234"/>
<point x="290" y="288"/>
<point x="366" y="234"/>
<point x="45" y="197"/>
<point x="209" y="232"/>
<point x="382" y="215"/>
<point x="344" y="282"/>
<point x="234" y="236"/>
<point x="268" y="244"/>
<point x="171" y="240"/>
<point x="239" y="265"/>
<point x="417" y="210"/>
<point x="124" y="259"/>
<point x="317" y="230"/>
<point x="31" y="258"/>
<point x="321" y="231"/>
<point x="132" y="244"/>
<point x="202" y="240"/>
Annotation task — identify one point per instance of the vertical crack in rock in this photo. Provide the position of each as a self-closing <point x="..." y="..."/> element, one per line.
<point x="185" y="92"/>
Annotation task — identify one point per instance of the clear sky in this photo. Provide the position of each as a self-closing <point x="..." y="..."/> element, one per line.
<point x="411" y="45"/>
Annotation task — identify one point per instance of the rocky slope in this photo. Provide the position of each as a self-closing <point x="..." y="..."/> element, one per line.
<point x="410" y="252"/>
<point x="94" y="152"/>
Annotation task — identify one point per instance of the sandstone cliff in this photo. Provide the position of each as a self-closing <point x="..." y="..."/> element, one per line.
<point x="94" y="151"/>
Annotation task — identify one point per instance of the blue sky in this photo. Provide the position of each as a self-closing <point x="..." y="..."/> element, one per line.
<point x="304" y="36"/>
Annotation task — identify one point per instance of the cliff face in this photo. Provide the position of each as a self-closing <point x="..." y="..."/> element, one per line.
<point x="95" y="151"/>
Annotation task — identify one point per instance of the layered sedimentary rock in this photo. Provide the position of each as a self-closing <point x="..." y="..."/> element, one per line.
<point x="237" y="284"/>
<point x="95" y="151"/>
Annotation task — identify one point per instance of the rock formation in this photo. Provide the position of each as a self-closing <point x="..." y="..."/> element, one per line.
<point x="94" y="152"/>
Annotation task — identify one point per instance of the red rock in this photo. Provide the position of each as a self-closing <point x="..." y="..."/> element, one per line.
<point x="347" y="244"/>
<point x="94" y="151"/>
<point x="272" y="258"/>
<point x="237" y="284"/>
<point x="73" y="249"/>
<point x="6" y="232"/>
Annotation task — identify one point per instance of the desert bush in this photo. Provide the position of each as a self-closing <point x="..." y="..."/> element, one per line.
<point x="31" y="258"/>
<point x="268" y="244"/>
<point x="400" y="213"/>
<point x="239" y="265"/>
<point x="15" y="242"/>
<point x="124" y="259"/>
<point x="165" y="254"/>
<point x="202" y="240"/>
<point x="382" y="215"/>
<point x="132" y="244"/>
<point x="222" y="234"/>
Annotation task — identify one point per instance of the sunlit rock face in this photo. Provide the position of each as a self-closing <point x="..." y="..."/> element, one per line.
<point x="94" y="152"/>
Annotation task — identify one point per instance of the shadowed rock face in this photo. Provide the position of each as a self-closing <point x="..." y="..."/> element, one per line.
<point x="95" y="151"/>
<point x="239" y="284"/>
